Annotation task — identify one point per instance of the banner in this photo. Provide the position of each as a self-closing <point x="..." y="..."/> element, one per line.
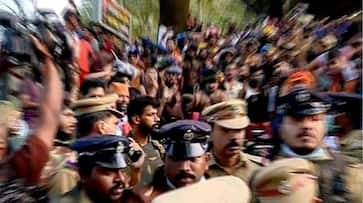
<point x="113" y="17"/>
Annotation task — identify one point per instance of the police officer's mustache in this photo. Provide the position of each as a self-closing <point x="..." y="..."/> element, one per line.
<point x="305" y="133"/>
<point x="118" y="185"/>
<point x="233" y="143"/>
<point x="184" y="174"/>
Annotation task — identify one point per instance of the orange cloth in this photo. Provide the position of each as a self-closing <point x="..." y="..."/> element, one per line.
<point x="84" y="53"/>
<point x="120" y="88"/>
<point x="178" y="57"/>
<point x="300" y="77"/>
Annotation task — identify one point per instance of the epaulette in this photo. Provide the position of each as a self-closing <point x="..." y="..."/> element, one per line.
<point x="257" y="159"/>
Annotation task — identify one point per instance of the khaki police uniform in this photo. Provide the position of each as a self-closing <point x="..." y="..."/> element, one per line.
<point x="78" y="195"/>
<point x="244" y="169"/>
<point x="286" y="181"/>
<point x="106" y="151"/>
<point x="232" y="114"/>
<point x="340" y="178"/>
<point x="226" y="189"/>
<point x="352" y="146"/>
<point x="92" y="105"/>
<point x="184" y="139"/>
<point x="61" y="172"/>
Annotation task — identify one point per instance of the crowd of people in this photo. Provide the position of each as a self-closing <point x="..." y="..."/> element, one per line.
<point x="270" y="113"/>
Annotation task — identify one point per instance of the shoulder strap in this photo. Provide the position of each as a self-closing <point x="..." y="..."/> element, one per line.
<point x="256" y="159"/>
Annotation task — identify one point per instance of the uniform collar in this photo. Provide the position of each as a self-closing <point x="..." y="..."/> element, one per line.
<point x="241" y="163"/>
<point x="172" y="186"/>
<point x="317" y="155"/>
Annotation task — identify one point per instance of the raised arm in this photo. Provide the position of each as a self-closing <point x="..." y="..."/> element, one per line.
<point x="29" y="160"/>
<point x="51" y="103"/>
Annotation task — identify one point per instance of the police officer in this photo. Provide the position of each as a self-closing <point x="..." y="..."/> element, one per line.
<point x="229" y="121"/>
<point x="302" y="131"/>
<point x="104" y="164"/>
<point x="286" y="181"/>
<point x="60" y="173"/>
<point x="186" y="159"/>
<point x="96" y="116"/>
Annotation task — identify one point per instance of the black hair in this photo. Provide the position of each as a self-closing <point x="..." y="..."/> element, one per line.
<point x="91" y="83"/>
<point x="68" y="14"/>
<point x="134" y="93"/>
<point x="138" y="105"/>
<point x="86" y="122"/>
<point x="120" y="77"/>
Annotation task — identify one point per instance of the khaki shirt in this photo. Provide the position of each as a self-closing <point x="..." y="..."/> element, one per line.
<point x="79" y="195"/>
<point x="352" y="176"/>
<point x="244" y="169"/>
<point x="76" y="195"/>
<point x="60" y="173"/>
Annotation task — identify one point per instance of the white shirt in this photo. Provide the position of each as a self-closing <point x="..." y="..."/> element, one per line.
<point x="233" y="90"/>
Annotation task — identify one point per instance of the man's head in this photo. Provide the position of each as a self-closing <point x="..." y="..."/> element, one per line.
<point x="244" y="72"/>
<point x="93" y="88"/>
<point x="231" y="72"/>
<point x="71" y="19"/>
<point x="103" y="165"/>
<point x="326" y="43"/>
<point x="173" y="75"/>
<point x="68" y="121"/>
<point x="256" y="78"/>
<point x="229" y="121"/>
<point x="97" y="115"/>
<point x="171" y="46"/>
<point x="254" y="61"/>
<point x="186" y="158"/>
<point x="122" y="90"/>
<point x="133" y="56"/>
<point x="210" y="81"/>
<point x="192" y="51"/>
<point x="142" y="113"/>
<point x="151" y="73"/>
<point x="303" y="125"/>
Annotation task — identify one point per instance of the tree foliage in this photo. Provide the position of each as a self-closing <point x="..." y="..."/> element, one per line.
<point x="146" y="17"/>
